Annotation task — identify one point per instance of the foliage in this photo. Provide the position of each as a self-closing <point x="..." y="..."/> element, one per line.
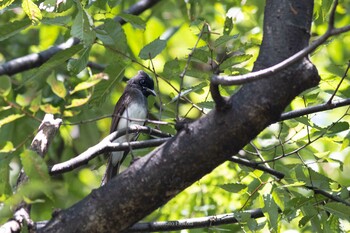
<point x="189" y="39"/>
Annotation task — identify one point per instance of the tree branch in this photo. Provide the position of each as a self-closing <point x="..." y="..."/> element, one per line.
<point x="107" y="145"/>
<point x="241" y="79"/>
<point x="257" y="166"/>
<point x="37" y="59"/>
<point x="314" y="109"/>
<point x="191" y="223"/>
<point x="328" y="195"/>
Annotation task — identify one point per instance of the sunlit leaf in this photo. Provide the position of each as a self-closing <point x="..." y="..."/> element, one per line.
<point x="10" y="119"/>
<point x="151" y="50"/>
<point x="57" y="86"/>
<point x="48" y="108"/>
<point x="32" y="10"/>
<point x="85" y="85"/>
<point x="78" y="102"/>
<point x="5" y="3"/>
<point x="6" y="147"/>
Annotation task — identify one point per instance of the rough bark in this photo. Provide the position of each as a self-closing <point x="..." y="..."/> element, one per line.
<point x="206" y="143"/>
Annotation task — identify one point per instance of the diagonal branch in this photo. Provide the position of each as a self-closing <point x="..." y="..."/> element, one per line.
<point x="34" y="60"/>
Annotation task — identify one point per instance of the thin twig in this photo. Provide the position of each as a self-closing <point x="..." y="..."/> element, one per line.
<point x="257" y="166"/>
<point x="182" y="75"/>
<point x="338" y="86"/>
<point x="314" y="109"/>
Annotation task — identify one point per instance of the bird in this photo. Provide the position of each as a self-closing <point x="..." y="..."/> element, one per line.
<point x="130" y="109"/>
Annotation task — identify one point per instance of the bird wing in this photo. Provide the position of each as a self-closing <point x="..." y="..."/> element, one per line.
<point x="119" y="109"/>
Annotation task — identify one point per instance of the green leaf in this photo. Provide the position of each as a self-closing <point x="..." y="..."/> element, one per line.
<point x="112" y="34"/>
<point x="234" y="60"/>
<point x="82" y="26"/>
<point x="10" y="118"/>
<point x="224" y="39"/>
<point x="201" y="55"/>
<point x="56" y="60"/>
<point x="75" y="66"/>
<point x="339" y="127"/>
<point x="32" y="11"/>
<point x="5" y="85"/>
<point x="271" y="210"/>
<point x="115" y="72"/>
<point x="151" y="50"/>
<point x="304" y="120"/>
<point x="233" y="188"/>
<point x="228" y="26"/>
<point x="134" y="20"/>
<point x="34" y="166"/>
<point x="338" y="209"/>
<point x="12" y="28"/>
<point x="5" y="187"/>
<point x="196" y="88"/>
<point x="207" y="104"/>
<point x="56" y="86"/>
<point x="172" y="69"/>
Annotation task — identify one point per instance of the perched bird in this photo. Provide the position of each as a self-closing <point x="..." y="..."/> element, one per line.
<point x="130" y="109"/>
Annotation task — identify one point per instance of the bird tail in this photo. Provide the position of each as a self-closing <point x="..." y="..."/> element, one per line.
<point x="111" y="170"/>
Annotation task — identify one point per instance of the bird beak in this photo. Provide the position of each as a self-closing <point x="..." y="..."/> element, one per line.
<point x="150" y="91"/>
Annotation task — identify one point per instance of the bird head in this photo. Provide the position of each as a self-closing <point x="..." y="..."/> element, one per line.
<point x="144" y="82"/>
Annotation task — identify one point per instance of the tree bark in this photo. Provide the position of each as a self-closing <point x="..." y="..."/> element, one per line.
<point x="206" y="143"/>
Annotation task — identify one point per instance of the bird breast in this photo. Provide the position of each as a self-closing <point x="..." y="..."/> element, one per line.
<point x="134" y="114"/>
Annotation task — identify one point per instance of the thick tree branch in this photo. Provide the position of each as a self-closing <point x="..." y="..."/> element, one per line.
<point x="37" y="59"/>
<point x="241" y="79"/>
<point x="207" y="142"/>
<point x="107" y="145"/>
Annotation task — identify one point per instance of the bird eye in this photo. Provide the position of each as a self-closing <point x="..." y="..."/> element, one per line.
<point x="142" y="82"/>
